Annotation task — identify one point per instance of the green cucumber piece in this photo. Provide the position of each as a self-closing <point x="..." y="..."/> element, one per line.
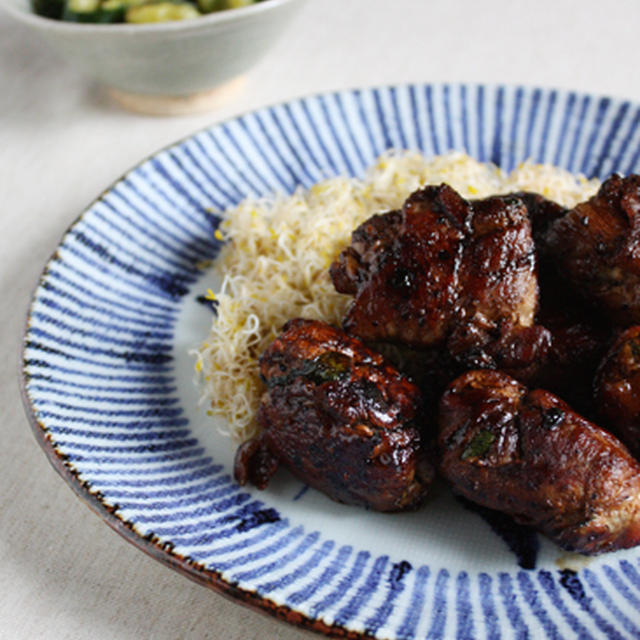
<point x="161" y="12"/>
<point x="208" y="6"/>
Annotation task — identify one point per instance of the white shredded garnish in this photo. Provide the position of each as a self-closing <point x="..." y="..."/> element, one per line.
<point x="275" y="264"/>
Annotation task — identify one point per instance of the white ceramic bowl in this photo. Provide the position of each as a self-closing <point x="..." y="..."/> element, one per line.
<point x="179" y="65"/>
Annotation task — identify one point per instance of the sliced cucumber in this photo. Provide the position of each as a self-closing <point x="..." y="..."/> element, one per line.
<point x="161" y="12"/>
<point x="208" y="6"/>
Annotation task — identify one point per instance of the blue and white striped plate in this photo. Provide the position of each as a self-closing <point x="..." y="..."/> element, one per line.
<point x="108" y="382"/>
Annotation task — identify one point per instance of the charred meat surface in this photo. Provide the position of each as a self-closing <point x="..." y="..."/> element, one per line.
<point x="339" y="418"/>
<point x="444" y="270"/>
<point x="368" y="241"/>
<point x="617" y="389"/>
<point x="410" y="291"/>
<point x="597" y="246"/>
<point x="528" y="454"/>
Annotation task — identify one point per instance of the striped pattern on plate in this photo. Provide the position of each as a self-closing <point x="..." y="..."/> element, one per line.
<point x="103" y="389"/>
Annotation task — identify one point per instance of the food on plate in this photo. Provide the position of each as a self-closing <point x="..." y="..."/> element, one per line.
<point x="131" y="11"/>
<point x="275" y="263"/>
<point x="339" y="418"/>
<point x="528" y="454"/>
<point x="462" y="280"/>
<point x="445" y="270"/>
<point x="443" y="263"/>
<point x="596" y="246"/>
<point x="617" y="388"/>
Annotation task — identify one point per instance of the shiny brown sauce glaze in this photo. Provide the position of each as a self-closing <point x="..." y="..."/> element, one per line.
<point x="339" y="418"/>
<point x="528" y="454"/>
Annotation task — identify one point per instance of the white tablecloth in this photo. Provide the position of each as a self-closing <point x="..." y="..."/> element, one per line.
<point x="63" y="572"/>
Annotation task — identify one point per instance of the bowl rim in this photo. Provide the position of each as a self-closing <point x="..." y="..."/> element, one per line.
<point x="27" y="16"/>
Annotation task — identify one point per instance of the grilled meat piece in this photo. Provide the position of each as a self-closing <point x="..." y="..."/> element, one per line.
<point x="340" y="419"/>
<point x="411" y="287"/>
<point x="597" y="246"/>
<point x="617" y="389"/>
<point x="371" y="238"/>
<point x="528" y="454"/>
<point x="447" y="271"/>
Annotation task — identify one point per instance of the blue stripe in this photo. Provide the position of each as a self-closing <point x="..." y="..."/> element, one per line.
<point x="189" y="499"/>
<point x="375" y="150"/>
<point x="481" y="155"/>
<point x="393" y="94"/>
<point x="407" y="630"/>
<point x="274" y="147"/>
<point x="137" y="459"/>
<point x="339" y="100"/>
<point x="546" y="127"/>
<point x="514" y="151"/>
<point x="174" y="445"/>
<point x="382" y="122"/>
<point x="118" y="437"/>
<point x="432" y="121"/>
<point x="188" y="175"/>
<point x="496" y="146"/>
<point x="439" y="607"/>
<point x="161" y="320"/>
<point x="578" y="133"/>
<point x="238" y="169"/>
<point x="531" y="597"/>
<point x="267" y="552"/>
<point x="464" y="119"/>
<point x="291" y="147"/>
<point x="621" y="587"/>
<point x="212" y="171"/>
<point x="549" y="586"/>
<point x="159" y="498"/>
<point x="142" y="224"/>
<point x="116" y="324"/>
<point x="246" y="157"/>
<point x="316" y="134"/>
<point x="148" y="393"/>
<point x="616" y="163"/>
<point x="448" y="119"/>
<point x="140" y="342"/>
<point x="396" y="582"/>
<point x="601" y="112"/>
<point x="485" y="583"/>
<point x="465" y="629"/>
<point x="300" y="571"/>
<point x="262" y="534"/>
<point x="343" y="586"/>
<point x="531" y="122"/>
<point x="606" y="601"/>
<point x="564" y="128"/>
<point x="510" y="603"/>
<point x="414" y="117"/>
<point x="573" y="586"/>
<point x="335" y="566"/>
<point x="364" y="592"/>
<point x="127" y="184"/>
<point x="182" y="466"/>
<point x="302" y="139"/>
<point x="334" y="135"/>
<point x="195" y="206"/>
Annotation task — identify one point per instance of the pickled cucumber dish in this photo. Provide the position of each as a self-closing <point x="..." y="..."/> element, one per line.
<point x="132" y="11"/>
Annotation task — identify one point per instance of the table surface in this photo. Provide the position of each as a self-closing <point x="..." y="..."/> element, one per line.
<point x="63" y="572"/>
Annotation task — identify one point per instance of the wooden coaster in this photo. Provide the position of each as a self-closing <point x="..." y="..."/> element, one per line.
<point x="162" y="105"/>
